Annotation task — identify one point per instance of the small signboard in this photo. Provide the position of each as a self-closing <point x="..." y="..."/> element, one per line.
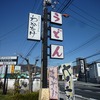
<point x="56" y="34"/>
<point x="56" y="18"/>
<point x="53" y="83"/>
<point x="98" y="69"/>
<point x="8" y="60"/>
<point x="57" y="52"/>
<point x="34" y="28"/>
<point x="11" y="69"/>
<point x="17" y="69"/>
<point x="82" y="65"/>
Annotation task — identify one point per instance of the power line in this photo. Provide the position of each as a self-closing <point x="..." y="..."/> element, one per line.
<point x="33" y="45"/>
<point x="59" y="9"/>
<point x="84" y="23"/>
<point x="85" y="12"/>
<point x="6" y="34"/>
<point x="85" y="43"/>
<point x="98" y="53"/>
<point x="84" y="17"/>
<point x="30" y="51"/>
<point x="67" y="5"/>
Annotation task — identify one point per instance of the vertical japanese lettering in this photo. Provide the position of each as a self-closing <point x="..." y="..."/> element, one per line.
<point x="53" y="83"/>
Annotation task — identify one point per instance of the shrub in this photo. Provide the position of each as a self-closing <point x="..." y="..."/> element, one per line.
<point x="27" y="96"/>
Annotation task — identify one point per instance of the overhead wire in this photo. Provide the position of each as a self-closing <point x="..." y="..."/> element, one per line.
<point x="10" y="32"/>
<point x="64" y="2"/>
<point x="35" y="44"/>
<point x="85" y="12"/>
<point x="95" y="37"/>
<point x="83" y="17"/>
<point x="66" y="6"/>
<point x="84" y="44"/>
<point x="85" y="23"/>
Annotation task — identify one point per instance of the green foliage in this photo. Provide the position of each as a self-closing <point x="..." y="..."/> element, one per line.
<point x="16" y="86"/>
<point x="27" y="96"/>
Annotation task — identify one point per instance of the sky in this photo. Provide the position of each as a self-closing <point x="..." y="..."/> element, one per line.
<point x="81" y="30"/>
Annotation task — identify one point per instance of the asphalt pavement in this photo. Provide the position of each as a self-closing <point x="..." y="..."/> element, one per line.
<point x="76" y="97"/>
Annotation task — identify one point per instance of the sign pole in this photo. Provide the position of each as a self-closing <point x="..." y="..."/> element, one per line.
<point x="5" y="77"/>
<point x="44" y="47"/>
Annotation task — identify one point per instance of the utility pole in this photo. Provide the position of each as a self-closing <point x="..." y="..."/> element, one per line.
<point x="45" y="43"/>
<point x="5" y="77"/>
<point x="44" y="46"/>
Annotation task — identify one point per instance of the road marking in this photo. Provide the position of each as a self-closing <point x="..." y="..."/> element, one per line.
<point x="92" y="99"/>
<point x="88" y="90"/>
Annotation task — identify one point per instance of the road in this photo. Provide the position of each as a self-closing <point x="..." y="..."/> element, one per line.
<point x="87" y="91"/>
<point x="84" y="90"/>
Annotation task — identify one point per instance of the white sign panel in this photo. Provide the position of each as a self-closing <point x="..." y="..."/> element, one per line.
<point x="56" y="17"/>
<point x="57" y="51"/>
<point x="17" y="69"/>
<point x="56" y="34"/>
<point x="2" y="69"/>
<point x="8" y="60"/>
<point x="82" y="66"/>
<point x="98" y="69"/>
<point x="34" y="28"/>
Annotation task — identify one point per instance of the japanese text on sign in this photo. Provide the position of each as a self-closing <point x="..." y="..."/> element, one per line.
<point x="56" y="17"/>
<point x="57" y="51"/>
<point x="67" y="72"/>
<point x="53" y="83"/>
<point x="56" y="33"/>
<point x="34" y="28"/>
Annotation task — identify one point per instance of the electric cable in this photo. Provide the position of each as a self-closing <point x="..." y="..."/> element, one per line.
<point x="84" y="17"/>
<point x="85" y="12"/>
<point x="83" y="44"/>
<point x="98" y="53"/>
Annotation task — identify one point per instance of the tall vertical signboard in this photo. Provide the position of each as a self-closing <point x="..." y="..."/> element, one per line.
<point x="67" y="72"/>
<point x="53" y="83"/>
<point x="56" y="34"/>
<point x="34" y="28"/>
<point x="81" y="63"/>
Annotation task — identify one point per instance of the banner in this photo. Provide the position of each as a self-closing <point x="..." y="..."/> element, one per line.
<point x="67" y="72"/>
<point x="53" y="83"/>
